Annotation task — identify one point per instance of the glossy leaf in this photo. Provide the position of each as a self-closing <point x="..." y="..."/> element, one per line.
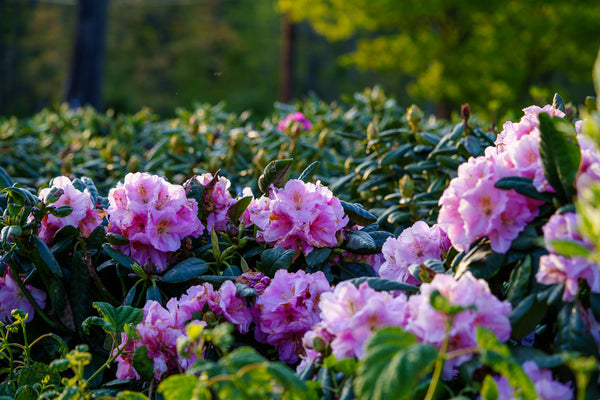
<point x="358" y="213"/>
<point x="275" y="173"/>
<point x="383" y="284"/>
<point x="186" y="270"/>
<point x="359" y="242"/>
<point x="522" y="186"/>
<point x="310" y="171"/>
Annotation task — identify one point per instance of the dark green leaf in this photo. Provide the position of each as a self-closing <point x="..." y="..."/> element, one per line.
<point x="5" y="179"/>
<point x="185" y="270"/>
<point x="78" y="287"/>
<point x="275" y="173"/>
<point x="383" y="284"/>
<point x="309" y="172"/>
<point x="46" y="258"/>
<point x="359" y="242"/>
<point x="519" y="282"/>
<point x="350" y="270"/>
<point x="317" y="256"/>
<point x="142" y="363"/>
<point x="118" y="317"/>
<point x="393" y="365"/>
<point x="232" y="270"/>
<point x="560" y="155"/>
<point x="152" y="293"/>
<point x="526" y="315"/>
<point x="482" y="261"/>
<point x="522" y="186"/>
<point x="121" y="258"/>
<point x="392" y="156"/>
<point x="275" y="259"/>
<point x="243" y="291"/>
<point x="558" y="103"/>
<point x="236" y="210"/>
<point x="116" y="240"/>
<point x="573" y="332"/>
<point x="358" y="214"/>
<point x="96" y="238"/>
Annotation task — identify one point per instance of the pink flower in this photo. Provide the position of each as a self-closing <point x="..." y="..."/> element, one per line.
<point x="301" y="216"/>
<point x="218" y="201"/>
<point x="352" y="314"/>
<point x="556" y="269"/>
<point x="429" y="324"/>
<point x="154" y="215"/>
<point x="11" y="298"/>
<point x="289" y="308"/>
<point x="84" y="216"/>
<point x="296" y="121"/>
<point x="415" y="245"/>
<point x="545" y="386"/>
<point x="234" y="309"/>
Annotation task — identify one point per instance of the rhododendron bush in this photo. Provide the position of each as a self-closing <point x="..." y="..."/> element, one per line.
<point x="417" y="259"/>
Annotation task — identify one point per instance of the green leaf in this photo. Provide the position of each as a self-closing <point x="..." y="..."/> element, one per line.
<point x="482" y="261"/>
<point x="275" y="173"/>
<point x="243" y="291"/>
<point x="519" y="281"/>
<point x="317" y="256"/>
<point x="526" y="315"/>
<point x="275" y="259"/>
<point x="359" y="242"/>
<point x="5" y="179"/>
<point x="497" y="356"/>
<point x="26" y="393"/>
<point x="118" y="317"/>
<point x="46" y="258"/>
<point x="238" y="208"/>
<point x="186" y="270"/>
<point x="558" y="103"/>
<point x="570" y="248"/>
<point x="78" y="285"/>
<point x="489" y="389"/>
<point x="358" y="214"/>
<point x="383" y="284"/>
<point x="294" y="387"/>
<point x="393" y="365"/>
<point x="121" y="258"/>
<point x="596" y="75"/>
<point x="309" y="172"/>
<point x="523" y="186"/>
<point x="129" y="395"/>
<point x="573" y="332"/>
<point x="142" y="363"/>
<point x="560" y="155"/>
<point x="96" y="238"/>
<point x="443" y="305"/>
<point x="392" y="156"/>
<point x="116" y="240"/>
<point x="183" y="387"/>
<point x="152" y="293"/>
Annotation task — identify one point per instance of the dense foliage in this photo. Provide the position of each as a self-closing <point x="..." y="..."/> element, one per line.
<point x="336" y="251"/>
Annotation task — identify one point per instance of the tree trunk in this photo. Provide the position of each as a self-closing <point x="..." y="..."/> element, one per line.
<point x="286" y="59"/>
<point x="85" y="79"/>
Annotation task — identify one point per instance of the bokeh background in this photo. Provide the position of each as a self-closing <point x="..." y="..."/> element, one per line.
<point x="499" y="56"/>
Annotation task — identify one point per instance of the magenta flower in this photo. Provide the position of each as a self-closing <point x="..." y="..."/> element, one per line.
<point x="415" y="245"/>
<point x="429" y="324"/>
<point x="296" y="121"/>
<point x="11" y="298"/>
<point x="300" y="216"/>
<point x="154" y="215"/>
<point x="218" y="201"/>
<point x="289" y="308"/>
<point x="84" y="216"/>
<point x="235" y="310"/>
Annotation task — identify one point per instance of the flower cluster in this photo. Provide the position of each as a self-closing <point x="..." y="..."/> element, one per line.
<point x="161" y="327"/>
<point x="555" y="268"/>
<point x="83" y="216"/>
<point x="350" y="315"/>
<point x="295" y="120"/>
<point x="472" y="207"/>
<point x="545" y="386"/>
<point x="217" y="201"/>
<point x="428" y="324"/>
<point x="415" y="245"/>
<point x="11" y="298"/>
<point x="288" y="309"/>
<point x="300" y="216"/>
<point x="154" y="215"/>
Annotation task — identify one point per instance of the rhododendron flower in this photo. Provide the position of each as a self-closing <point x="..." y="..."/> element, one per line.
<point x="11" y="298"/>
<point x="545" y="386"/>
<point x="350" y="315"/>
<point x="555" y="268"/>
<point x="84" y="216"/>
<point x="415" y="245"/>
<point x="294" y="118"/>
<point x="289" y="308"/>
<point x="429" y="324"/>
<point x="300" y="216"/>
<point x="161" y="327"/>
<point x="154" y="215"/>
<point x="218" y="201"/>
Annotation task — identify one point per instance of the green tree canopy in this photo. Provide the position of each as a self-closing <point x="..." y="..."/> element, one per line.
<point x="494" y="54"/>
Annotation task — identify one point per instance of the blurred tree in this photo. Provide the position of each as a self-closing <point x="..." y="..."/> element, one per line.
<point x="87" y="62"/>
<point x="494" y="54"/>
